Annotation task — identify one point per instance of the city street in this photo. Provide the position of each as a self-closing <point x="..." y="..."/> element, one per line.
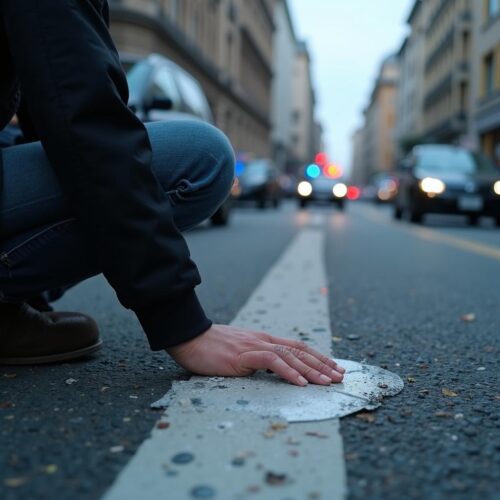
<point x="422" y="301"/>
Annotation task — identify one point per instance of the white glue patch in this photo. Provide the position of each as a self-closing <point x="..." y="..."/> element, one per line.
<point x="267" y="396"/>
<point x="260" y="437"/>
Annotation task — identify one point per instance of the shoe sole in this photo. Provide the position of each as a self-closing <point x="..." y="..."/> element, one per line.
<point x="53" y="358"/>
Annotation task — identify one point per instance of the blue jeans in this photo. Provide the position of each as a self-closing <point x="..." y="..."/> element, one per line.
<point x="42" y="246"/>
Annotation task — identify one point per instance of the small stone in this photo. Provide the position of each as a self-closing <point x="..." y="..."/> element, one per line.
<point x="163" y="425"/>
<point x="382" y="386"/>
<point x="481" y="369"/>
<point x="50" y="469"/>
<point x="242" y="402"/>
<point x="238" y="461"/>
<point x="183" y="458"/>
<point x="116" y="449"/>
<point x="10" y="375"/>
<point x="70" y="381"/>
<point x="275" y="479"/>
<point x="353" y="337"/>
<point x="468" y="317"/>
<point x="15" y="482"/>
<point x="203" y="491"/>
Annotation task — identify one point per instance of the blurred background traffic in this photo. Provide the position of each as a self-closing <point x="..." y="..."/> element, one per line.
<point x="241" y="65"/>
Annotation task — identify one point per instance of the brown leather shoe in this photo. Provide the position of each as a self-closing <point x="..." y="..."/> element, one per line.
<point x="30" y="337"/>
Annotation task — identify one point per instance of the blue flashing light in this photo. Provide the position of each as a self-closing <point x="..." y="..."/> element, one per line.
<point x="239" y="167"/>
<point x="313" y="171"/>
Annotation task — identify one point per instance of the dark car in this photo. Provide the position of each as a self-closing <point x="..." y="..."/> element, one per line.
<point x="160" y="90"/>
<point x="437" y="178"/>
<point x="322" y="188"/>
<point x="259" y="181"/>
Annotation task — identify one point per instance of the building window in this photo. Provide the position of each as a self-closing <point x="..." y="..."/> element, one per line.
<point x="296" y="116"/>
<point x="489" y="74"/>
<point x="493" y="8"/>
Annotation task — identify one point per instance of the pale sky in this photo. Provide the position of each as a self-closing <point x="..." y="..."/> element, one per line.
<point x="347" y="40"/>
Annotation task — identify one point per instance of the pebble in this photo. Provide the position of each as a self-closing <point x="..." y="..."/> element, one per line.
<point x="183" y="458"/>
<point x="203" y="491"/>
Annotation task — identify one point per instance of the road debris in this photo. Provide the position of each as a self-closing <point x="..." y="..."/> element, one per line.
<point x="448" y="393"/>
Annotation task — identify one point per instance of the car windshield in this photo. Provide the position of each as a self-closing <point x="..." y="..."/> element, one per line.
<point x="255" y="169"/>
<point x="324" y="182"/>
<point x="444" y="159"/>
<point x="136" y="76"/>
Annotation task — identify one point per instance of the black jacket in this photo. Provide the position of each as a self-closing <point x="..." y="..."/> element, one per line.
<point x="60" y="53"/>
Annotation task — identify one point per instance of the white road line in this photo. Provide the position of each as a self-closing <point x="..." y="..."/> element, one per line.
<point x="260" y="437"/>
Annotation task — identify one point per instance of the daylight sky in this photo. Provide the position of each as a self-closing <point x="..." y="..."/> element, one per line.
<point x="347" y="40"/>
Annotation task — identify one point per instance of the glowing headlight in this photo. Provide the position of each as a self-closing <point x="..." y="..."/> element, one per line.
<point x="496" y="187"/>
<point x="339" y="190"/>
<point x="304" y="188"/>
<point x="430" y="185"/>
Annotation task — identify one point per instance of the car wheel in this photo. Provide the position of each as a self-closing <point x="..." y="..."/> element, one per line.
<point x="302" y="203"/>
<point x="276" y="203"/>
<point x="398" y="212"/>
<point x="262" y="202"/>
<point x="221" y="217"/>
<point x="416" y="217"/>
<point x="340" y="205"/>
<point x="473" y="220"/>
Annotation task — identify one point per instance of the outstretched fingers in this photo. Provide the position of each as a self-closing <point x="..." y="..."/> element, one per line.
<point x="267" y="360"/>
<point x="301" y="346"/>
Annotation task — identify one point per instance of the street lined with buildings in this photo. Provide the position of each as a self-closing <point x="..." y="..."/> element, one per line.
<point x="444" y="87"/>
<point x="423" y="307"/>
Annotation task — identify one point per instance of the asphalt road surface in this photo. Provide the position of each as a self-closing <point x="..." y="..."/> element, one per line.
<point x="421" y="301"/>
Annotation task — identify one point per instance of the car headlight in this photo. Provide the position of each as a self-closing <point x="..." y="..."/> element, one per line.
<point x="496" y="187"/>
<point x="339" y="190"/>
<point x="304" y="188"/>
<point x="432" y="186"/>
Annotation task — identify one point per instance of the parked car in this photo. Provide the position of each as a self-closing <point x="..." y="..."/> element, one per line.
<point x="437" y="178"/>
<point x="322" y="189"/>
<point x="160" y="90"/>
<point x="259" y="181"/>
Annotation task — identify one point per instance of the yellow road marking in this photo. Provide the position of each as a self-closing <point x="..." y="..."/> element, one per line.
<point x="437" y="237"/>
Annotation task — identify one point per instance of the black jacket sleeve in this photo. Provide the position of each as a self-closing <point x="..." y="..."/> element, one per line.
<point x="76" y="92"/>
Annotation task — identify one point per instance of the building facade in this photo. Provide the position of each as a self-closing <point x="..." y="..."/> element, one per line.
<point x="303" y="130"/>
<point x="227" y="45"/>
<point x="485" y="90"/>
<point x="380" y="121"/>
<point x="447" y="71"/>
<point x="410" y="103"/>
<point x="284" y="49"/>
<point x="359" y="173"/>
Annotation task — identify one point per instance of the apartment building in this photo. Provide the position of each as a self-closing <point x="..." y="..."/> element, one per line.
<point x="359" y="174"/>
<point x="380" y="120"/>
<point x="410" y="100"/>
<point x="284" y="52"/>
<point x="303" y="124"/>
<point x="225" y="44"/>
<point x="485" y="91"/>
<point x="447" y="71"/>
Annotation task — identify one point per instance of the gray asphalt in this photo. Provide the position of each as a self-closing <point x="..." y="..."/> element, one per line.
<point x="396" y="301"/>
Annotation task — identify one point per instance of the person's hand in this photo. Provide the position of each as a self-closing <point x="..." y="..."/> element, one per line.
<point x="227" y="351"/>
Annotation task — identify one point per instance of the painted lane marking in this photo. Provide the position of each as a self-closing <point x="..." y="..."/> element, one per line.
<point x="434" y="236"/>
<point x="235" y="436"/>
